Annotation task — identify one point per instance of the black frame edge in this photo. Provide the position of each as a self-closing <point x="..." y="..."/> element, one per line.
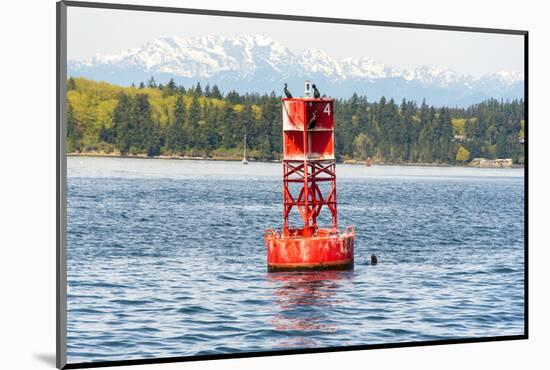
<point x="288" y="17"/>
<point x="164" y="360"/>
<point x="61" y="212"/>
<point x="526" y="184"/>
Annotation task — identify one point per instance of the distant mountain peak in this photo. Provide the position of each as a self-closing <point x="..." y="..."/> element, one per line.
<point x="509" y="77"/>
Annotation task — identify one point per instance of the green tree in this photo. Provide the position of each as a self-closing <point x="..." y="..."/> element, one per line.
<point x="198" y="89"/>
<point x="176" y="135"/>
<point x="71" y="84"/>
<point x="362" y="146"/>
<point x="229" y="118"/>
<point x="193" y="118"/>
<point x="122" y="123"/>
<point x="144" y="133"/>
<point x="216" y="92"/>
<point x="74" y="131"/>
<point x="171" y="87"/>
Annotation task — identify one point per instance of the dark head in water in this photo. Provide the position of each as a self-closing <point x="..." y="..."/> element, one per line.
<point x="287" y="93"/>
<point x="316" y="93"/>
<point x="373" y="259"/>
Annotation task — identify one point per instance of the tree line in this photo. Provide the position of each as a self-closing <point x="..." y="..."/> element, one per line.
<point x="155" y="119"/>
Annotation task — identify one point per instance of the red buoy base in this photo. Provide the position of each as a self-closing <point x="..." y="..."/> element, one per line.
<point x="324" y="250"/>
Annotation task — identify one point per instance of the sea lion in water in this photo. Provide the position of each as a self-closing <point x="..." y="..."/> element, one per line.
<point x="373" y="259"/>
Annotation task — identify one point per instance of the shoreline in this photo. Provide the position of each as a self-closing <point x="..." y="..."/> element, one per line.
<point x="144" y="156"/>
<point x="233" y="159"/>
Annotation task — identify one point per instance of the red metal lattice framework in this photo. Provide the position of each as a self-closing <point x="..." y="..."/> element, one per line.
<point x="308" y="163"/>
<point x="310" y="199"/>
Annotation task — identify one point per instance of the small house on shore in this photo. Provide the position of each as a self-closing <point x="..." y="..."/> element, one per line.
<point x="499" y="162"/>
<point x="459" y="138"/>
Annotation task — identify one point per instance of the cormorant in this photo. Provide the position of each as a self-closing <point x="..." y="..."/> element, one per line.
<point x="287" y="93"/>
<point x="373" y="259"/>
<point x="316" y="93"/>
<point x="312" y="121"/>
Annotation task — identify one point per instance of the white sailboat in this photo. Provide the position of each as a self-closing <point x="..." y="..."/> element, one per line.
<point x="244" y="161"/>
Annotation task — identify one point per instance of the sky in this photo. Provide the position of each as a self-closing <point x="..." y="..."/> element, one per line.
<point x="103" y="31"/>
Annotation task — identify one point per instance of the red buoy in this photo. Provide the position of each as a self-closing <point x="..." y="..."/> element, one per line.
<point x="309" y="187"/>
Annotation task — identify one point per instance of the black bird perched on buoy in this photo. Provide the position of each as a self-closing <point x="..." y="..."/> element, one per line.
<point x="373" y="259"/>
<point x="316" y="93"/>
<point x="312" y="121"/>
<point x="287" y="93"/>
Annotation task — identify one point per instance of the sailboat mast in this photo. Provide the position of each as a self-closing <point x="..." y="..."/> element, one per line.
<point x="244" y="161"/>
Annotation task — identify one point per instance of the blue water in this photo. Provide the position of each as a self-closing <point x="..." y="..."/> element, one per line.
<point x="166" y="258"/>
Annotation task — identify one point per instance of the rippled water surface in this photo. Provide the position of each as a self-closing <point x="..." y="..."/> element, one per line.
<point x="166" y="258"/>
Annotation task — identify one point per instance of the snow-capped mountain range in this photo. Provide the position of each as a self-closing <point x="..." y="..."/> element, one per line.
<point x="256" y="63"/>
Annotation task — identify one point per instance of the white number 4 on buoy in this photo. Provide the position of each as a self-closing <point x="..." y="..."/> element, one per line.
<point x="327" y="109"/>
